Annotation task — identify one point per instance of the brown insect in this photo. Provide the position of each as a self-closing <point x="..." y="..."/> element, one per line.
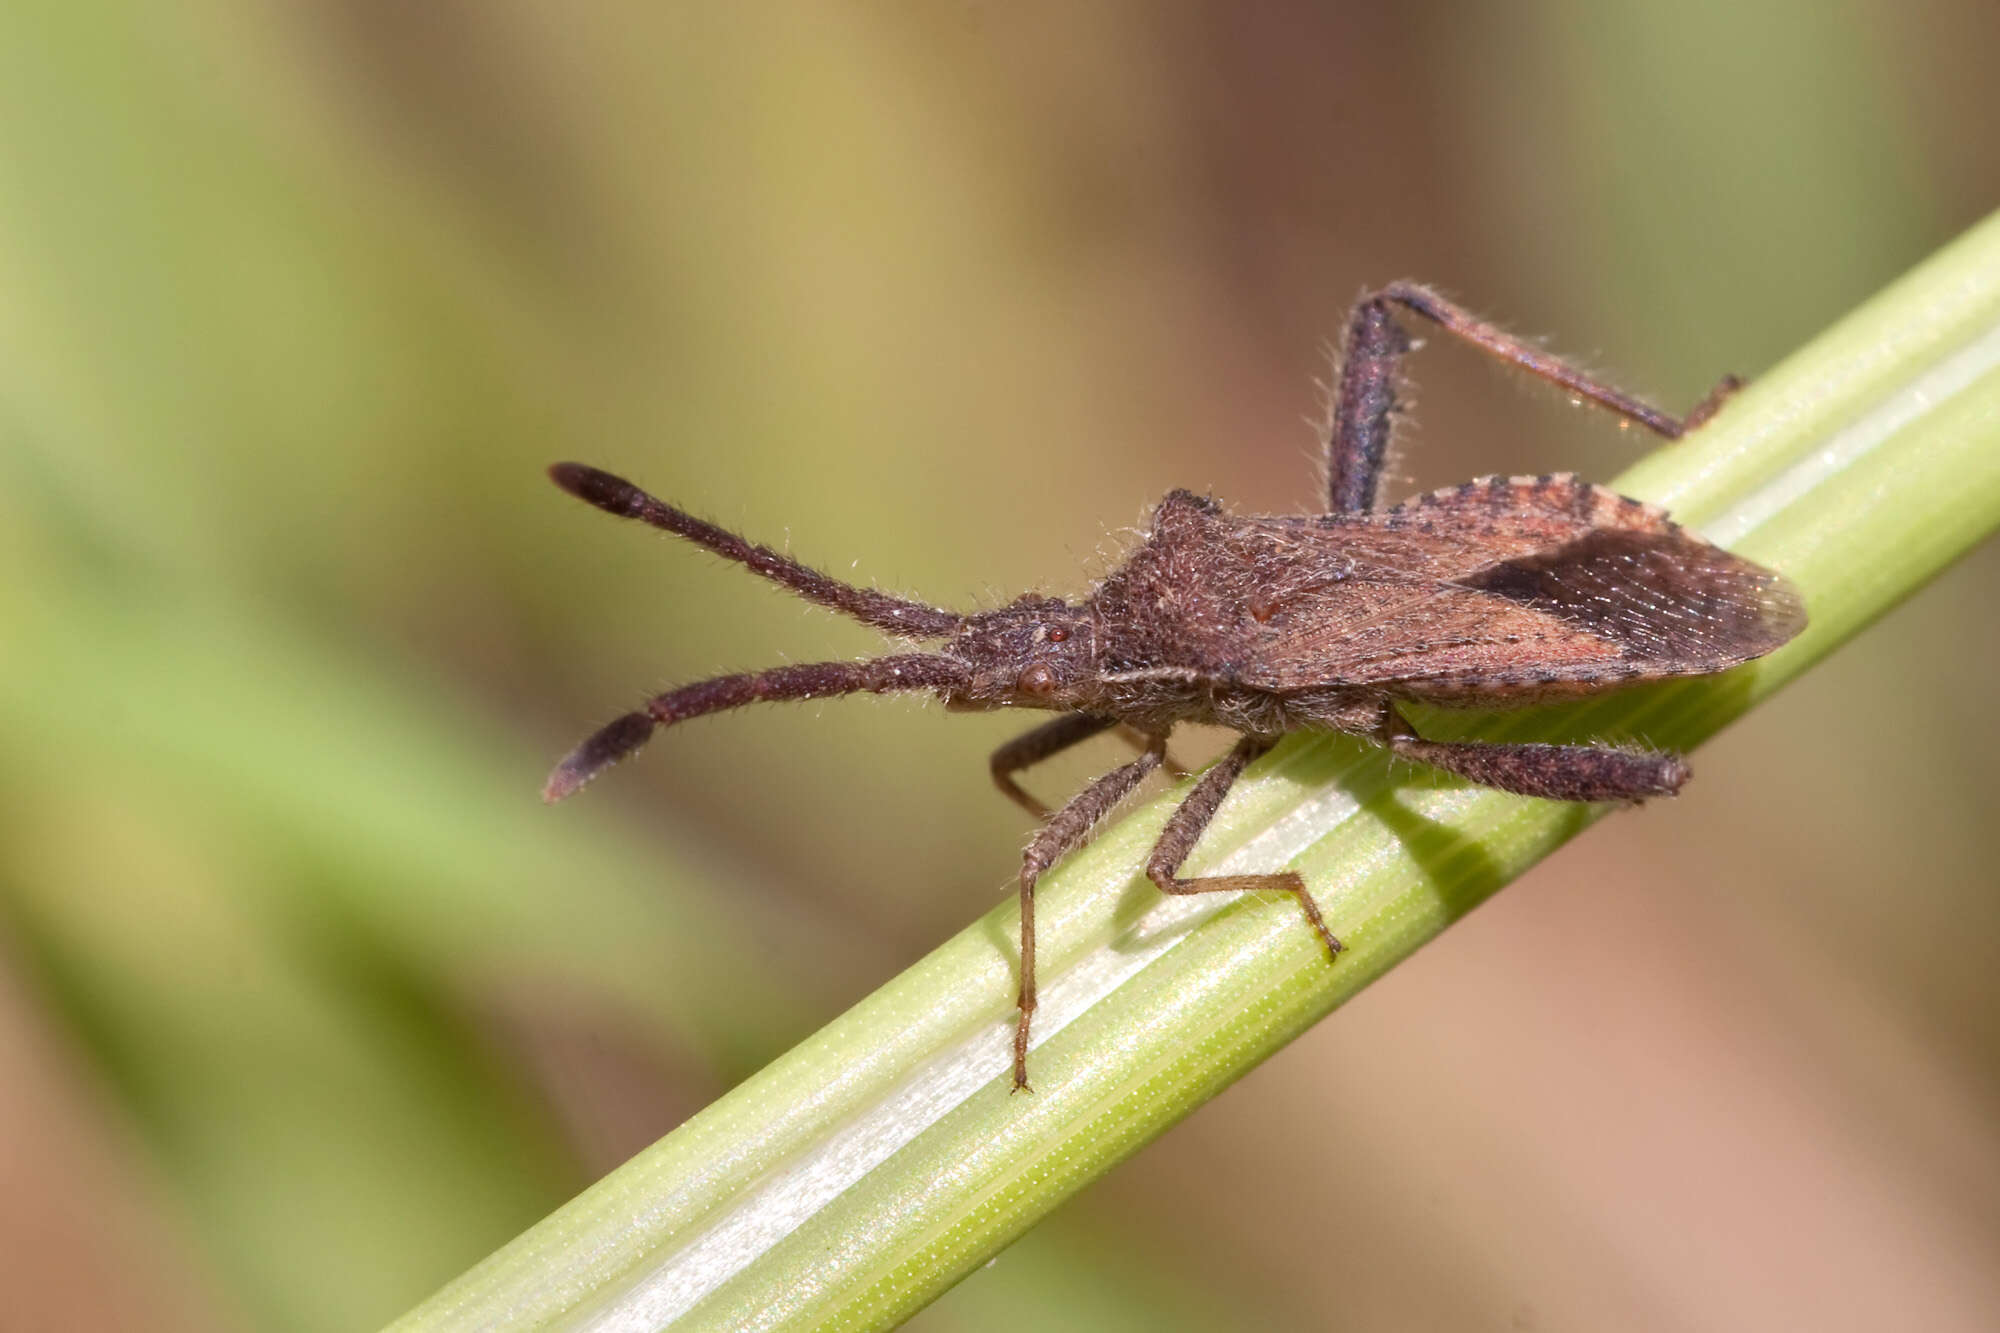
<point x="1504" y="590"/>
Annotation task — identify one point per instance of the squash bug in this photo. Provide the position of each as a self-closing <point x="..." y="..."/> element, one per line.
<point x="1500" y="591"/>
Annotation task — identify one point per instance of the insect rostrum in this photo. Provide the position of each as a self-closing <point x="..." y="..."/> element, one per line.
<point x="1503" y="590"/>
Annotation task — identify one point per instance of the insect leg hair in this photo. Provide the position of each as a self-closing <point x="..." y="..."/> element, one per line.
<point x="1491" y="338"/>
<point x="1045" y="741"/>
<point x="1365" y="397"/>
<point x="894" y="615"/>
<point x="618" y="739"/>
<point x="1184" y="829"/>
<point x="1065" y="831"/>
<point x="1554" y="772"/>
<point x="1725" y="389"/>
<point x="1364" y="406"/>
<point x="1139" y="740"/>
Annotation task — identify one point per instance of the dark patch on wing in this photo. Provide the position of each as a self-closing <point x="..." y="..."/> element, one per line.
<point x="1665" y="597"/>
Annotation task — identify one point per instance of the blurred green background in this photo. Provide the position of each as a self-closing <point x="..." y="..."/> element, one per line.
<point x="306" y="1003"/>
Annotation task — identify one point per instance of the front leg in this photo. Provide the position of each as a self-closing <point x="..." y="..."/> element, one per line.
<point x="1051" y="739"/>
<point x="1031" y="747"/>
<point x="1184" y="830"/>
<point x="1066" y="830"/>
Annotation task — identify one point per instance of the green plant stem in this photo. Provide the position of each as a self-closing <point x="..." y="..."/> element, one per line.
<point x="863" y="1173"/>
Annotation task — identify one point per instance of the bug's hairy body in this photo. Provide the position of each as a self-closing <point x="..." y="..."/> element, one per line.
<point x="1499" y="591"/>
<point x="1504" y="590"/>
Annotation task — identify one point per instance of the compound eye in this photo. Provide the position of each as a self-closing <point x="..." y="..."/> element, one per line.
<point x="1058" y="635"/>
<point x="1037" y="679"/>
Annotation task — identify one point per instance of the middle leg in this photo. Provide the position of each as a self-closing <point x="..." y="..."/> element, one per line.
<point x="1184" y="830"/>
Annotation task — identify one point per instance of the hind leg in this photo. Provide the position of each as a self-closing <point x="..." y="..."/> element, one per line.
<point x="1365" y="396"/>
<point x="1554" y="772"/>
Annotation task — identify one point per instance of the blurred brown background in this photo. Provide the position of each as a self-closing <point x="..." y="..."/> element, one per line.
<point x="306" y="1003"/>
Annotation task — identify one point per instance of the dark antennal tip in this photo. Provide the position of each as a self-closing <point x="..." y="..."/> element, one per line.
<point x="603" y="749"/>
<point x="595" y="486"/>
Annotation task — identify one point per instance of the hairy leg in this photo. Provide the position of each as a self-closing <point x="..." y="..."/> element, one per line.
<point x="1139" y="740"/>
<point x="1365" y="397"/>
<point x="1030" y="748"/>
<point x="1065" y="831"/>
<point x="1184" y="830"/>
<point x="1554" y="772"/>
<point x="1725" y="389"/>
<point x="1364" y="407"/>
